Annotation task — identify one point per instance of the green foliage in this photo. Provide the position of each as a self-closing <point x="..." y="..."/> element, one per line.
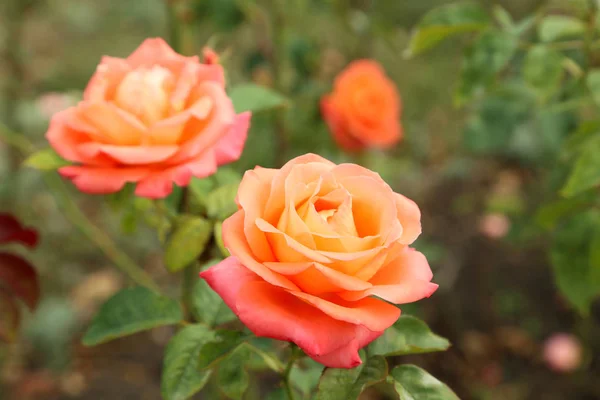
<point x="543" y="69"/>
<point x="409" y="335"/>
<point x="130" y="311"/>
<point x="187" y="242"/>
<point x="586" y="173"/>
<point x="255" y="98"/>
<point x="305" y="375"/>
<point x="485" y="58"/>
<point x="575" y="259"/>
<point x="232" y="377"/>
<point x="414" y="383"/>
<point x="220" y="203"/>
<point x="206" y="305"/>
<point x="593" y="84"/>
<point x="219" y="239"/>
<point x="215" y="351"/>
<point x="344" y="384"/>
<point x="181" y="377"/>
<point x="555" y="27"/>
<point x="46" y="160"/>
<point x="445" y="21"/>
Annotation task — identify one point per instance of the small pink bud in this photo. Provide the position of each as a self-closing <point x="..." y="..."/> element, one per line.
<point x="563" y="352"/>
<point x="210" y="56"/>
<point x="494" y="226"/>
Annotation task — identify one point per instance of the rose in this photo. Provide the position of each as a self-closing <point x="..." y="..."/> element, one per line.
<point x="310" y="244"/>
<point x="153" y="118"/>
<point x="364" y="108"/>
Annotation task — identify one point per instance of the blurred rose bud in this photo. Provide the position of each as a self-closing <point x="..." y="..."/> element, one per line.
<point x="494" y="226"/>
<point x="562" y="352"/>
<point x="210" y="56"/>
<point x="51" y="103"/>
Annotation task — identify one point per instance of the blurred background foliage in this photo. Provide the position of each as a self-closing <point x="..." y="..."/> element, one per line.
<point x="500" y="150"/>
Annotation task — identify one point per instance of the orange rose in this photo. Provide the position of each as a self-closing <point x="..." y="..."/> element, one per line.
<point x="311" y="244"/>
<point x="153" y="118"/>
<point x="364" y="109"/>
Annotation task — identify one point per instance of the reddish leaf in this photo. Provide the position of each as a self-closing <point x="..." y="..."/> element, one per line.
<point x="9" y="317"/>
<point x="11" y="230"/>
<point x="18" y="276"/>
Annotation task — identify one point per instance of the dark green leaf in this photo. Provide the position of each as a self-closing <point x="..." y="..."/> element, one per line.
<point x="571" y="253"/>
<point x="46" y="160"/>
<point x="555" y="27"/>
<point x="414" y="383"/>
<point x="251" y="97"/>
<point x="207" y="305"/>
<point x="345" y="384"/>
<point x="187" y="242"/>
<point x="232" y="378"/>
<point x="305" y="375"/>
<point x="579" y="139"/>
<point x="180" y="376"/>
<point x="586" y="173"/>
<point x="199" y="190"/>
<point x="220" y="203"/>
<point x="225" y="343"/>
<point x="485" y="58"/>
<point x="409" y="335"/>
<point x="130" y="311"/>
<point x="117" y="201"/>
<point x="593" y="84"/>
<point x="543" y="68"/>
<point x="550" y="214"/>
<point x="445" y="21"/>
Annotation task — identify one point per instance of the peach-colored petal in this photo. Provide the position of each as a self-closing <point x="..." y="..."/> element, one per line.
<point x="105" y="81"/>
<point x="112" y="125"/>
<point x="235" y="242"/>
<point x="373" y="314"/>
<point x="138" y="155"/>
<point x="169" y="130"/>
<point x="252" y="195"/>
<point x="204" y="131"/>
<point x="190" y="77"/>
<point x="230" y="147"/>
<point x="410" y="218"/>
<point x="286" y="248"/>
<point x="319" y="279"/>
<point x="102" y="180"/>
<point x="404" y="280"/>
<point x="157" y="52"/>
<point x="64" y="139"/>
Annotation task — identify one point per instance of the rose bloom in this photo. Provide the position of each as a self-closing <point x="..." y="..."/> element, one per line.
<point x="153" y="118"/>
<point x="311" y="244"/>
<point x="363" y="111"/>
<point x="563" y="352"/>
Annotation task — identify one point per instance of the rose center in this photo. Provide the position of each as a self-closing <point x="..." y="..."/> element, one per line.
<point x="144" y="92"/>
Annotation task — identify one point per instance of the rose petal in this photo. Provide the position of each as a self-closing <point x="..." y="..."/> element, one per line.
<point x="113" y="125"/>
<point x="336" y="122"/>
<point x="139" y="155"/>
<point x="157" y="52"/>
<point x="63" y="138"/>
<point x="375" y="315"/>
<point x="319" y="279"/>
<point x="347" y="355"/>
<point x="235" y="242"/>
<point x="105" y="81"/>
<point x="98" y="180"/>
<point x="410" y="218"/>
<point x="230" y="147"/>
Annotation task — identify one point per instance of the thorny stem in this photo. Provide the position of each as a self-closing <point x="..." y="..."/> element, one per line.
<point x="72" y="212"/>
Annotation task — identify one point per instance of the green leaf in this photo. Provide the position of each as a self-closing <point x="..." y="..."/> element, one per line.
<point x="543" y="68"/>
<point x="579" y="139"/>
<point x="220" y="203"/>
<point x="130" y="311"/>
<point x="305" y="375"/>
<point x="225" y="343"/>
<point x="207" y="305"/>
<point x="593" y="84"/>
<point x="550" y="214"/>
<point x="119" y="200"/>
<point x="232" y="378"/>
<point x="255" y="98"/>
<point x="445" y="21"/>
<point x="504" y="18"/>
<point x="555" y="27"/>
<point x="199" y="190"/>
<point x="46" y="160"/>
<point x="586" y="173"/>
<point x="219" y="239"/>
<point x="187" y="242"/>
<point x="414" y="383"/>
<point x="486" y="57"/>
<point x="409" y="335"/>
<point x="345" y="384"/>
<point x="571" y="256"/>
<point x="180" y="377"/>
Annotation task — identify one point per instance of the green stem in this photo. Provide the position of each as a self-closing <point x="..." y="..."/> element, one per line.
<point x="72" y="212"/>
<point x="295" y="356"/>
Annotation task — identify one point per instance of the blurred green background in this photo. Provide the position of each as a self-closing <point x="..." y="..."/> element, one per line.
<point x="479" y="173"/>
